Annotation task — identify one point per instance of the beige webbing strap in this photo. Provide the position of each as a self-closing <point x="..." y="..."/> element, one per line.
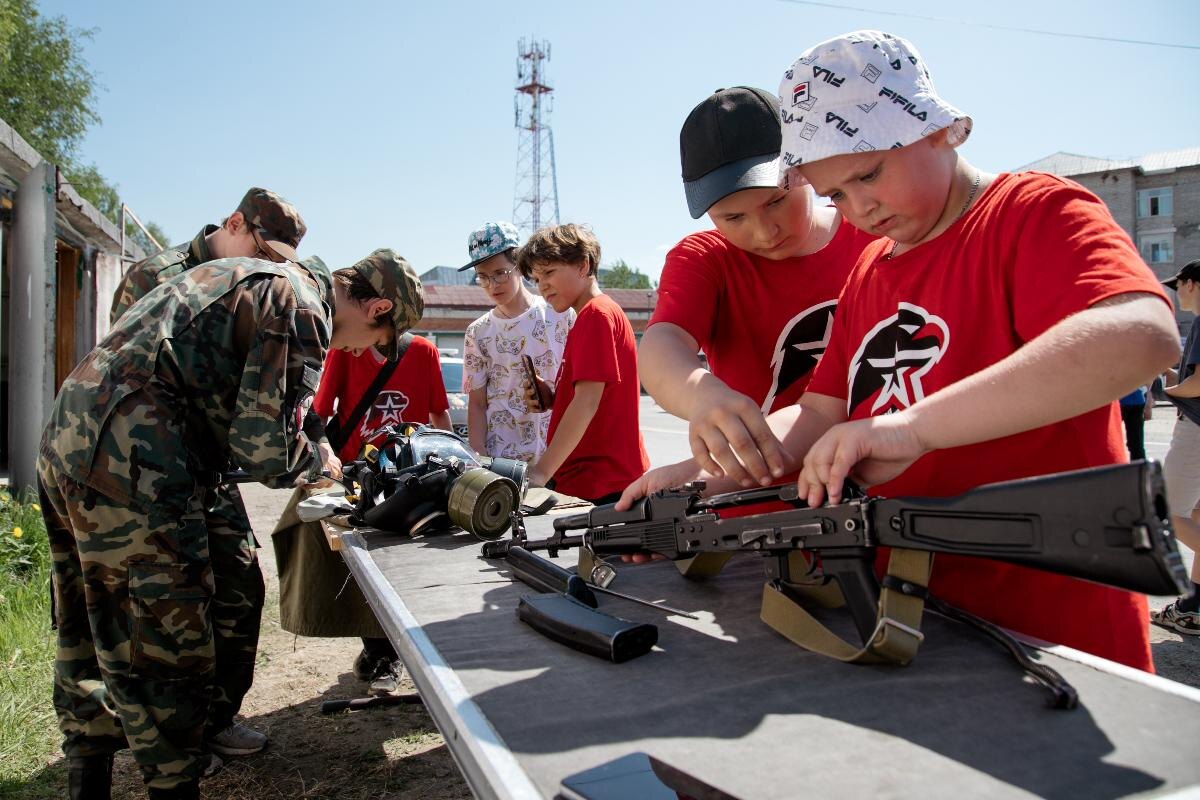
<point x="702" y="565"/>
<point x="897" y="633"/>
<point x="807" y="581"/>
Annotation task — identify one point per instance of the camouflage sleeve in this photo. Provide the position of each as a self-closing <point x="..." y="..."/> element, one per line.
<point x="138" y="282"/>
<point x="268" y="435"/>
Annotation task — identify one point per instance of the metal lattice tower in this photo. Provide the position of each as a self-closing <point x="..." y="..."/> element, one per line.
<point x="536" y="201"/>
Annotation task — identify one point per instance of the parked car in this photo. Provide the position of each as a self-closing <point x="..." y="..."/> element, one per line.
<point x="452" y="376"/>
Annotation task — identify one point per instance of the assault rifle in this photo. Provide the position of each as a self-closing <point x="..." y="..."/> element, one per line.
<point x="1109" y="525"/>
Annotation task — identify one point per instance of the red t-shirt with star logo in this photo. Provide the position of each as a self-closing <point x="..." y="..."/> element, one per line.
<point x="762" y="324"/>
<point x="1033" y="250"/>
<point x="413" y="392"/>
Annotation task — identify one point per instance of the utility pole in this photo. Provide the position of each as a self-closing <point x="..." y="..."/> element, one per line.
<point x="536" y="200"/>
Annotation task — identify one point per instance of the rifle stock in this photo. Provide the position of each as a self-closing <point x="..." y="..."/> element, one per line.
<point x="1109" y="525"/>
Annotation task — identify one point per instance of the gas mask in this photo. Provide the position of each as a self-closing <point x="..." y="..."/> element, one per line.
<point x="416" y="479"/>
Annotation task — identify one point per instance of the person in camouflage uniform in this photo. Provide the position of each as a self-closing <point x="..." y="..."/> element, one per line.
<point x="261" y="216"/>
<point x="213" y="369"/>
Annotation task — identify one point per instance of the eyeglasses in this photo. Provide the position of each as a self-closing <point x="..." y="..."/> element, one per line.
<point x="495" y="279"/>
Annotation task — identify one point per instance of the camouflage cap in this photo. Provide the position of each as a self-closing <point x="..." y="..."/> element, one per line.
<point x="394" y="279"/>
<point x="277" y="218"/>
<point x="318" y="269"/>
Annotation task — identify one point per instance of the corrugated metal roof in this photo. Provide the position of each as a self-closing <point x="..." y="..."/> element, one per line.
<point x="457" y="296"/>
<point x="1171" y="159"/>
<point x="1074" y="164"/>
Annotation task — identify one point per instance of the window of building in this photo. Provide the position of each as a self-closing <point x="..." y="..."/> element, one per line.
<point x="1157" y="248"/>
<point x="1155" y="202"/>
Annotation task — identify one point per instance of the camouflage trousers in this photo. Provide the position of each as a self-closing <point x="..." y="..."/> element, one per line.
<point x="157" y="621"/>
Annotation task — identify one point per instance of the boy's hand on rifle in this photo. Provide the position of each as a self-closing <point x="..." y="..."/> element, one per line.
<point x="729" y="436"/>
<point x="667" y="477"/>
<point x="871" y="451"/>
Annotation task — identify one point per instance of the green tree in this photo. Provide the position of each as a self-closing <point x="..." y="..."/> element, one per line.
<point x="48" y="92"/>
<point x="48" y="95"/>
<point x="619" y="275"/>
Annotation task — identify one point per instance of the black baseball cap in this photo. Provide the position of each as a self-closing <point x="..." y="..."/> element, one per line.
<point x="729" y="142"/>
<point x="1189" y="272"/>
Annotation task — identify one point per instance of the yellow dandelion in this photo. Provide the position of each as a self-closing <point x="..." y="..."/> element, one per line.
<point x="18" y="533"/>
<point x="36" y="507"/>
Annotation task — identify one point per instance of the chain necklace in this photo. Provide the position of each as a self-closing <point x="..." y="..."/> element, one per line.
<point x="966" y="204"/>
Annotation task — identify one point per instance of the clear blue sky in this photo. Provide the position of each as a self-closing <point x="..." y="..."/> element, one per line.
<point x="391" y="123"/>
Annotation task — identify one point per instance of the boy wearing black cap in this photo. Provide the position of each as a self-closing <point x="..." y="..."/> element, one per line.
<point x="756" y="295"/>
<point x="991" y="329"/>
<point x="1181" y="467"/>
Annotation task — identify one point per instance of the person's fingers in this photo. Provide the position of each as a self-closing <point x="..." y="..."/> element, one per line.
<point x="744" y="448"/>
<point x="766" y="443"/>
<point x="634" y="491"/>
<point x="809" y="488"/>
<point x="728" y="464"/>
<point x="843" y="461"/>
<point x="700" y="452"/>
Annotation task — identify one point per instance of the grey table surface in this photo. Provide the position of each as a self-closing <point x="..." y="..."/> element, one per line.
<point x="728" y="700"/>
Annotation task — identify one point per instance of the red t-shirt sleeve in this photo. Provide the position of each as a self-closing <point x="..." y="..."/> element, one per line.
<point x="689" y="289"/>
<point x="333" y="379"/>
<point x="594" y="358"/>
<point x="438" y="402"/>
<point x="1070" y="254"/>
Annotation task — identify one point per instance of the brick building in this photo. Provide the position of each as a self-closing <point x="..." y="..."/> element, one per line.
<point x="1155" y="198"/>
<point x="450" y="309"/>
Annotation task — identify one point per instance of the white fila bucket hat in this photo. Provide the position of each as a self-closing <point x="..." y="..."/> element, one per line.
<point x="858" y="92"/>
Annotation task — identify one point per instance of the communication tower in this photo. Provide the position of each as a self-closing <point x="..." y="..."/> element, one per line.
<point x="536" y="201"/>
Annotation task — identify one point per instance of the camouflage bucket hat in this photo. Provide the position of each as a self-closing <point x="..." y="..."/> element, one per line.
<point x="277" y="219"/>
<point x="394" y="279"/>
<point x="490" y="240"/>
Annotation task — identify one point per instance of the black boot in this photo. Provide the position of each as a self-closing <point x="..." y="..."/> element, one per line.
<point x="184" y="791"/>
<point x="89" y="777"/>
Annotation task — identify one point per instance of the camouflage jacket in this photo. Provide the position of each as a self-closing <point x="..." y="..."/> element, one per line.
<point x="148" y="273"/>
<point x="214" y="368"/>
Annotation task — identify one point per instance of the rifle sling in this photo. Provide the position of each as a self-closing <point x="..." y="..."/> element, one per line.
<point x="897" y="632"/>
<point x="338" y="433"/>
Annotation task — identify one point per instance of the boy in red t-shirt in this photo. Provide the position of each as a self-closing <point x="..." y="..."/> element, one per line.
<point x="756" y="295"/>
<point x="594" y="448"/>
<point x="989" y="335"/>
<point x="414" y="392"/>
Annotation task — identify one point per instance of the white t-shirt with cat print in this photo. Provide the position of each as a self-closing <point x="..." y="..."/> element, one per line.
<point x="492" y="358"/>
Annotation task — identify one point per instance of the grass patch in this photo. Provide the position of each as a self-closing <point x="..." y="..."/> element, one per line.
<point x="29" y="736"/>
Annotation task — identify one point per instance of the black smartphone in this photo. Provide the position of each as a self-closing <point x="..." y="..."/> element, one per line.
<point x="531" y="376"/>
<point x="637" y="775"/>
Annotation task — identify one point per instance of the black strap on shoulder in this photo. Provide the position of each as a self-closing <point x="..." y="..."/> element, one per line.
<point x="338" y="434"/>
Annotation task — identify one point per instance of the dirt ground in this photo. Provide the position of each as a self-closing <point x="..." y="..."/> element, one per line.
<point x="389" y="752"/>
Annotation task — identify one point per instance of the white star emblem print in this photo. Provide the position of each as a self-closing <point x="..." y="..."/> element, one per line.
<point x="893" y="372"/>
<point x="388" y="410"/>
